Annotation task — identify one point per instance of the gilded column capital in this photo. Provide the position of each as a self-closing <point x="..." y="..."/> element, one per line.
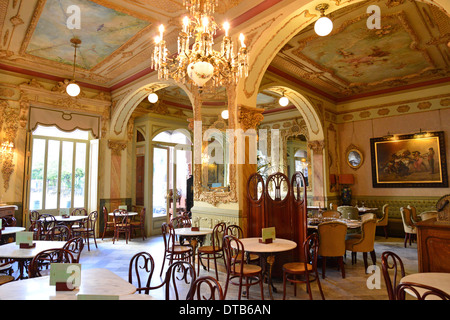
<point x="249" y="118"/>
<point x="117" y="146"/>
<point x="316" y="146"/>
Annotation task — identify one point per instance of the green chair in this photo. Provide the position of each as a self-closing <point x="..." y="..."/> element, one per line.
<point x="349" y="212"/>
<point x="383" y="221"/>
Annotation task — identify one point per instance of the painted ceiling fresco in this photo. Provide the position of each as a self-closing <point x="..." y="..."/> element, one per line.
<point x="103" y="31"/>
<point x="357" y="54"/>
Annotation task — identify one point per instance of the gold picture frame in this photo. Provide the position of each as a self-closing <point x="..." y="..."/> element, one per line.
<point x="354" y="157"/>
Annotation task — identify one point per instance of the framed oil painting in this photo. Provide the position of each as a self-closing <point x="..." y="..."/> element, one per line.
<point x="409" y="161"/>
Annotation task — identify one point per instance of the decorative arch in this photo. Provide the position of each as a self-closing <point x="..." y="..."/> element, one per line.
<point x="129" y="98"/>
<point x="283" y="25"/>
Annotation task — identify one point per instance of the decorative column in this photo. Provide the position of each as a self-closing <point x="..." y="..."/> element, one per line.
<point x="317" y="148"/>
<point x="116" y="146"/>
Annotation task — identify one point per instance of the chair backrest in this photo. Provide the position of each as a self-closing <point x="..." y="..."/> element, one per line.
<point x="178" y="273"/>
<point x="120" y="216"/>
<point x="58" y="233"/>
<point x="414" y="217"/>
<point x="349" y="212"/>
<point x="234" y="230"/>
<point x="385" y="215"/>
<point x="217" y="234"/>
<point x="332" y="238"/>
<point x="421" y="291"/>
<point x="233" y="250"/>
<point x="428" y="215"/>
<point x="333" y="207"/>
<point x="386" y="265"/>
<point x="213" y="289"/>
<point x="331" y="214"/>
<point x="79" y="212"/>
<point x="75" y="246"/>
<point x="181" y="221"/>
<point x="47" y="257"/>
<point x="9" y="221"/>
<point x="47" y="221"/>
<point x="142" y="216"/>
<point x="367" y="241"/>
<point x="408" y="225"/>
<point x="311" y="250"/>
<point x="92" y="220"/>
<point x="139" y="263"/>
<point x="168" y="233"/>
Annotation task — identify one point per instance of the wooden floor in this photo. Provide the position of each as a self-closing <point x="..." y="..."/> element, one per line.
<point x="116" y="257"/>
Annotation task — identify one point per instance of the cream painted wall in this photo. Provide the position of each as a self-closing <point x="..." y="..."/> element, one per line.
<point x="401" y="124"/>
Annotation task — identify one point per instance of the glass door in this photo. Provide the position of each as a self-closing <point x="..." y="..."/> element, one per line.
<point x="161" y="181"/>
<point x="182" y="166"/>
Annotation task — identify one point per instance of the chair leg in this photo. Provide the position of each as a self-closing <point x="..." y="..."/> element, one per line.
<point x="215" y="266"/>
<point x="385" y="232"/>
<point x="341" y="265"/>
<point x="318" y="283"/>
<point x="284" y="285"/>
<point x="261" y="286"/>
<point x="324" y="265"/>
<point x="308" y="285"/>
<point x="373" y="256"/>
<point x="365" y="260"/>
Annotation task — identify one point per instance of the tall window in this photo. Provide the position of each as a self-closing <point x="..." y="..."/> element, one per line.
<point x="59" y="167"/>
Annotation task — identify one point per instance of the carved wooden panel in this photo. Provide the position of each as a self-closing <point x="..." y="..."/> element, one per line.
<point x="256" y="196"/>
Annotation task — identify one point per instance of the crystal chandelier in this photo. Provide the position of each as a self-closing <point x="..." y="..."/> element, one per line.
<point x="198" y="63"/>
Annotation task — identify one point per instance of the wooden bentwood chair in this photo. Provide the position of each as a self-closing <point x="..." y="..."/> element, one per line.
<point x="215" y="250"/>
<point x="214" y="293"/>
<point x="234" y="250"/>
<point x="141" y="262"/>
<point x="87" y="230"/>
<point x="395" y="265"/>
<point x="108" y="224"/>
<point x="172" y="250"/>
<point x="305" y="269"/>
<point x="139" y="225"/>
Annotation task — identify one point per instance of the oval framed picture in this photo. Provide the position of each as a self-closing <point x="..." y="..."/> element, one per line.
<point x="354" y="157"/>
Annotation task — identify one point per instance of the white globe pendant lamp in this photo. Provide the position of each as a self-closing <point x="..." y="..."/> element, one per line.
<point x="283" y="101"/>
<point x="74" y="89"/>
<point x="200" y="72"/>
<point x="153" y="97"/>
<point x="323" y="25"/>
<point x="225" y="115"/>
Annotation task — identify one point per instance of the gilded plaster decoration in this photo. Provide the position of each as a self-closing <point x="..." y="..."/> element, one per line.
<point x="117" y="146"/>
<point x="249" y="118"/>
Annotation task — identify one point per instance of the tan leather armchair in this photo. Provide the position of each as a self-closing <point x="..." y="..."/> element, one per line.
<point x="331" y="214"/>
<point x="349" y="212"/>
<point x="428" y="215"/>
<point x="383" y="222"/>
<point x="408" y="225"/>
<point x="364" y="242"/>
<point x="332" y="243"/>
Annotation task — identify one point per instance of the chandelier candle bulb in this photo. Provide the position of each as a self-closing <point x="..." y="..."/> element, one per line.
<point x="161" y="32"/>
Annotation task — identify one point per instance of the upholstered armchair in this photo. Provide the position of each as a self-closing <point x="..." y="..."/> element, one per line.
<point x="408" y="226"/>
<point x="331" y="214"/>
<point x="348" y="212"/>
<point x="383" y="221"/>
<point x="414" y="217"/>
<point x="332" y="243"/>
<point x="363" y="243"/>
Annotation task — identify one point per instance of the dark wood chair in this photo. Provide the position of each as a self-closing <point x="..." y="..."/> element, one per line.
<point x="395" y="265"/>
<point x="45" y="223"/>
<point x="58" y="233"/>
<point x="88" y="229"/>
<point x="34" y="224"/>
<point x="177" y="274"/>
<point x="213" y="289"/>
<point x="141" y="261"/>
<point x="139" y="225"/>
<point x="45" y="258"/>
<point x="215" y="250"/>
<point x="237" y="269"/>
<point x="121" y="224"/>
<point x="235" y="230"/>
<point x="420" y="291"/>
<point x="108" y="224"/>
<point x="172" y="250"/>
<point x="79" y="212"/>
<point x="305" y="268"/>
<point x="75" y="246"/>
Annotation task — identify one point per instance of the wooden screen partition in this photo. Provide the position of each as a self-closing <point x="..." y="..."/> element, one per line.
<point x="256" y="195"/>
<point x="300" y="213"/>
<point x="282" y="204"/>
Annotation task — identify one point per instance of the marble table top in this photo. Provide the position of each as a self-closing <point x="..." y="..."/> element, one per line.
<point x="69" y="219"/>
<point x="93" y="282"/>
<point x="278" y="245"/>
<point x="122" y="215"/>
<point x="187" y="232"/>
<point x="439" y="280"/>
<point x="13" y="251"/>
<point x="11" y="230"/>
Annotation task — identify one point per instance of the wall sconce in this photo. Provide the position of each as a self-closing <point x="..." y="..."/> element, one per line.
<point x="7" y="149"/>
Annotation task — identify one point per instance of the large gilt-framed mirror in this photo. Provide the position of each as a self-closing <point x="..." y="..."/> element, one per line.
<point x="215" y="176"/>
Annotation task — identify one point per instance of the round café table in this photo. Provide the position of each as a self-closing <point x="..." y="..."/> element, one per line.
<point x="9" y="231"/>
<point x="438" y="280"/>
<point x="94" y="282"/>
<point x="194" y="237"/>
<point x="268" y="251"/>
